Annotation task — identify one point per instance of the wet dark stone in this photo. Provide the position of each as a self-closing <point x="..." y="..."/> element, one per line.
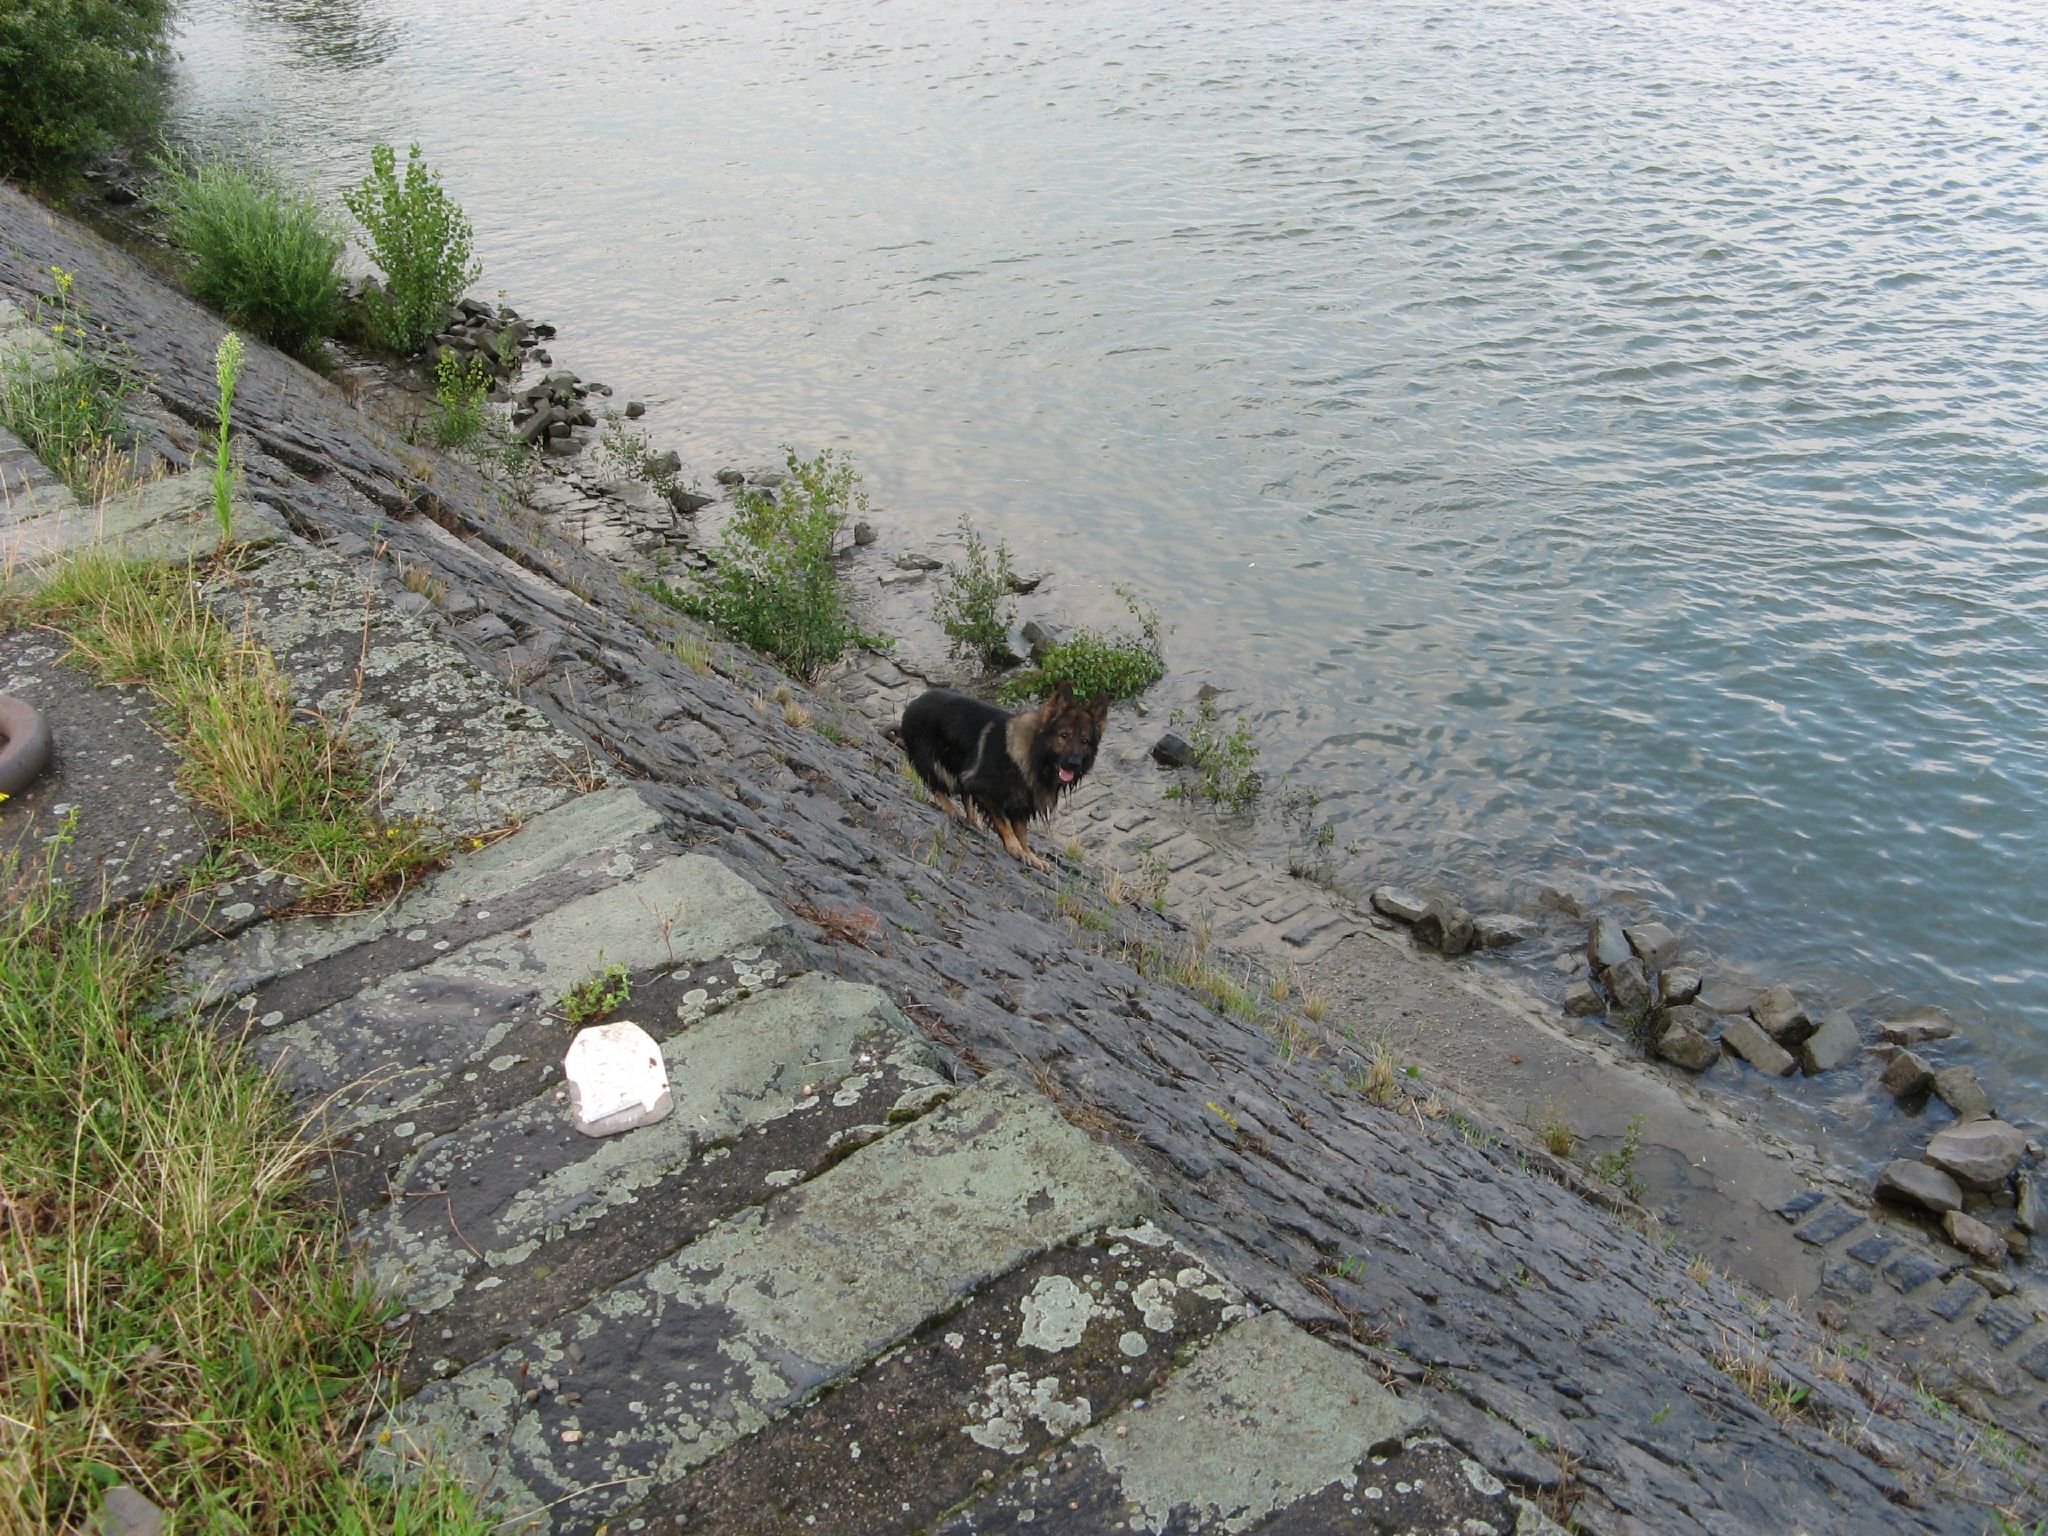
<point x="1801" y="1203"/>
<point x="2035" y="1360"/>
<point x="1445" y="928"/>
<point x="1872" y="1249"/>
<point x="1828" y="1223"/>
<point x="1954" y="1299"/>
<point x="1840" y="1277"/>
<point x="2005" y="1322"/>
<point x="1912" y="1269"/>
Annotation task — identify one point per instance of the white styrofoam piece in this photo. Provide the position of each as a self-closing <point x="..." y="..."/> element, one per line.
<point x="617" y="1079"/>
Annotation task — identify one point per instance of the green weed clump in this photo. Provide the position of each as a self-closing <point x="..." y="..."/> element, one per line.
<point x="178" y="1309"/>
<point x="266" y="255"/>
<point x="1223" y="765"/>
<point x="79" y="74"/>
<point x="775" y="586"/>
<point x="1121" y="663"/>
<point x="596" y="995"/>
<point x="974" y="601"/>
<point x="420" y="239"/>
<point x="461" y="419"/>
<point x="68" y="404"/>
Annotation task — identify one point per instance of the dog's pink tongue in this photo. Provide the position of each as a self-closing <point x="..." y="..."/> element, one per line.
<point x="1066" y="775"/>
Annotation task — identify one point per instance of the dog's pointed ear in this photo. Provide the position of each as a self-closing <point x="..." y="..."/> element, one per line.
<point x="1099" y="708"/>
<point x="1062" y="694"/>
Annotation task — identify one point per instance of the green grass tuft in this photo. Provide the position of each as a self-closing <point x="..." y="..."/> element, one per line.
<point x="68" y="404"/>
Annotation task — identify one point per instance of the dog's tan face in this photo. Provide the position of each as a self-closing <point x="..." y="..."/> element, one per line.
<point x="1063" y="746"/>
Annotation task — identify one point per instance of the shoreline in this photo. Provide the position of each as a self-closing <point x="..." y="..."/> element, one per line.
<point x="457" y="521"/>
<point x="1856" y="1123"/>
<point x="1526" y="1058"/>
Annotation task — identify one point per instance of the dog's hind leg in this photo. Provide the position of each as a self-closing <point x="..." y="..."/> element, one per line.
<point x="962" y="811"/>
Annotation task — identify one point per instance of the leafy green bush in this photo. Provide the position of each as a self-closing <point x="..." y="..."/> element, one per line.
<point x="77" y="73"/>
<point x="775" y="586"/>
<point x="266" y="255"/>
<point x="1119" y="663"/>
<point x="69" y="406"/>
<point x="972" y="598"/>
<point x="461" y="385"/>
<point x="1224" y="766"/>
<point x="420" y="239"/>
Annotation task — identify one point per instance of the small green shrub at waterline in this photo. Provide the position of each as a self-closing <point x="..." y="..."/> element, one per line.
<point x="266" y="255"/>
<point x="1120" y="663"/>
<point x="1223" y="767"/>
<point x="78" y="74"/>
<point x="461" y="386"/>
<point x="973" y="601"/>
<point x="776" y="586"/>
<point x="628" y="453"/>
<point x="420" y="239"/>
<point x="227" y="370"/>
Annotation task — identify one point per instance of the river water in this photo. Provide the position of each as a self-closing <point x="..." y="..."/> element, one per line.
<point x="1598" y="441"/>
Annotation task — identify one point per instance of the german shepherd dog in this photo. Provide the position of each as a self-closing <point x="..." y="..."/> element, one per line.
<point x="1007" y="768"/>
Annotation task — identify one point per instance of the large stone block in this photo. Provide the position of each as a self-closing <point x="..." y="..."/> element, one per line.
<point x="1746" y="1038"/>
<point x="1979" y="1153"/>
<point x="1919" y="1184"/>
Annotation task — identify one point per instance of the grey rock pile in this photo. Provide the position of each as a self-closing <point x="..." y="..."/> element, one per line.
<point x="555" y="412"/>
<point x="1441" y="924"/>
<point x="499" y="338"/>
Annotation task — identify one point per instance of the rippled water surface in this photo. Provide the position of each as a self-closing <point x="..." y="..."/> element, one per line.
<point x="1597" y="438"/>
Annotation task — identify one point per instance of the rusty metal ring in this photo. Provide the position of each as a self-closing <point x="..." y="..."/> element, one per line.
<point x="24" y="745"/>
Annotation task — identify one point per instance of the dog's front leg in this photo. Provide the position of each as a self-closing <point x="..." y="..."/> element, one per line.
<point x="1012" y="834"/>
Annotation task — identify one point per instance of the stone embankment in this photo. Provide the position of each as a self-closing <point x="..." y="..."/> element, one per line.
<point x="959" y="1221"/>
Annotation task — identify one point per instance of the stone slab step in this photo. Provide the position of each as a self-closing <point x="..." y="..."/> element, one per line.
<point x="451" y="744"/>
<point x="386" y="1049"/>
<point x="168" y="519"/>
<point x="1268" y="1430"/>
<point x="308" y="963"/>
<point x="518" y="1217"/>
<point x="1042" y="1353"/>
<point x="666" y="1371"/>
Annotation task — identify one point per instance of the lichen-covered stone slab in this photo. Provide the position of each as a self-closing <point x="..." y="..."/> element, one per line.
<point x="1265" y="1418"/>
<point x="664" y="1372"/>
<point x="382" y="1049"/>
<point x="451" y="745"/>
<point x="168" y="519"/>
<point x="1044" y="1352"/>
<point x="107" y="814"/>
<point x="519" y="1181"/>
<point x="584" y="845"/>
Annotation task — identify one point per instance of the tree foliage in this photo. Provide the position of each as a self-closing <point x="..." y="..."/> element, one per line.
<point x="74" y="76"/>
